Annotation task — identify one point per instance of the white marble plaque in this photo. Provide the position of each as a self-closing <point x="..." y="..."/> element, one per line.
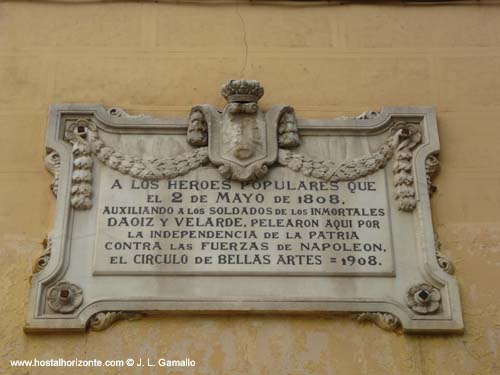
<point x="242" y="209"/>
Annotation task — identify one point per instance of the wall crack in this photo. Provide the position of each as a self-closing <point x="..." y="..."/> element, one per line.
<point x="244" y="41"/>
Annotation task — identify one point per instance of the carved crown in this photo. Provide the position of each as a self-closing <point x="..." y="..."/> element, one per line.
<point x="242" y="91"/>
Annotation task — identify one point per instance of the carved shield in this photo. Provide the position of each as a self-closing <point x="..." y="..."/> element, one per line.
<point x="242" y="144"/>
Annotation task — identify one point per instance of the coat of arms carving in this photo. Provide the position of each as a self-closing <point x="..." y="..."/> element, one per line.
<point x="242" y="139"/>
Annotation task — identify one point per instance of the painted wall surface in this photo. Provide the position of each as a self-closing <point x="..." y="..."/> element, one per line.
<point x="326" y="61"/>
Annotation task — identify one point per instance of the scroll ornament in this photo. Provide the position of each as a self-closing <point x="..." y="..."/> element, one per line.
<point x="102" y="320"/>
<point x="384" y="320"/>
<point x="120" y="112"/>
<point x="42" y="261"/>
<point x="53" y="164"/>
<point x="432" y="168"/>
<point x="367" y="115"/>
<point x="444" y="262"/>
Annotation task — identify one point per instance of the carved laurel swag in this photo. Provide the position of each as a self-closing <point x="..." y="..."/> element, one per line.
<point x="102" y="320"/>
<point x="410" y="137"/>
<point x="86" y="142"/>
<point x="81" y="189"/>
<point x="150" y="168"/>
<point x="402" y="138"/>
<point x="384" y="320"/>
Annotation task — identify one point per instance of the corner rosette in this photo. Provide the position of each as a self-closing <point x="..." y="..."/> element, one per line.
<point x="423" y="299"/>
<point x="64" y="297"/>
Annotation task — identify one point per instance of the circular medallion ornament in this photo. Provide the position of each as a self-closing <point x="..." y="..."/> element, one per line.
<point x="64" y="297"/>
<point x="423" y="299"/>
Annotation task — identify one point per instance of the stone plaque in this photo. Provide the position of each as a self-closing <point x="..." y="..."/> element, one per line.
<point x="242" y="209"/>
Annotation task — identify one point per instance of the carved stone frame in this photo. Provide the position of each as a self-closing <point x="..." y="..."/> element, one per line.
<point x="53" y="279"/>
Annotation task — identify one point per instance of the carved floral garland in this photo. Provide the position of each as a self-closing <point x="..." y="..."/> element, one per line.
<point x="81" y="189"/>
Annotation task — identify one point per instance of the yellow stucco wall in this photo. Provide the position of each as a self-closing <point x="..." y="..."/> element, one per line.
<point x="325" y="61"/>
